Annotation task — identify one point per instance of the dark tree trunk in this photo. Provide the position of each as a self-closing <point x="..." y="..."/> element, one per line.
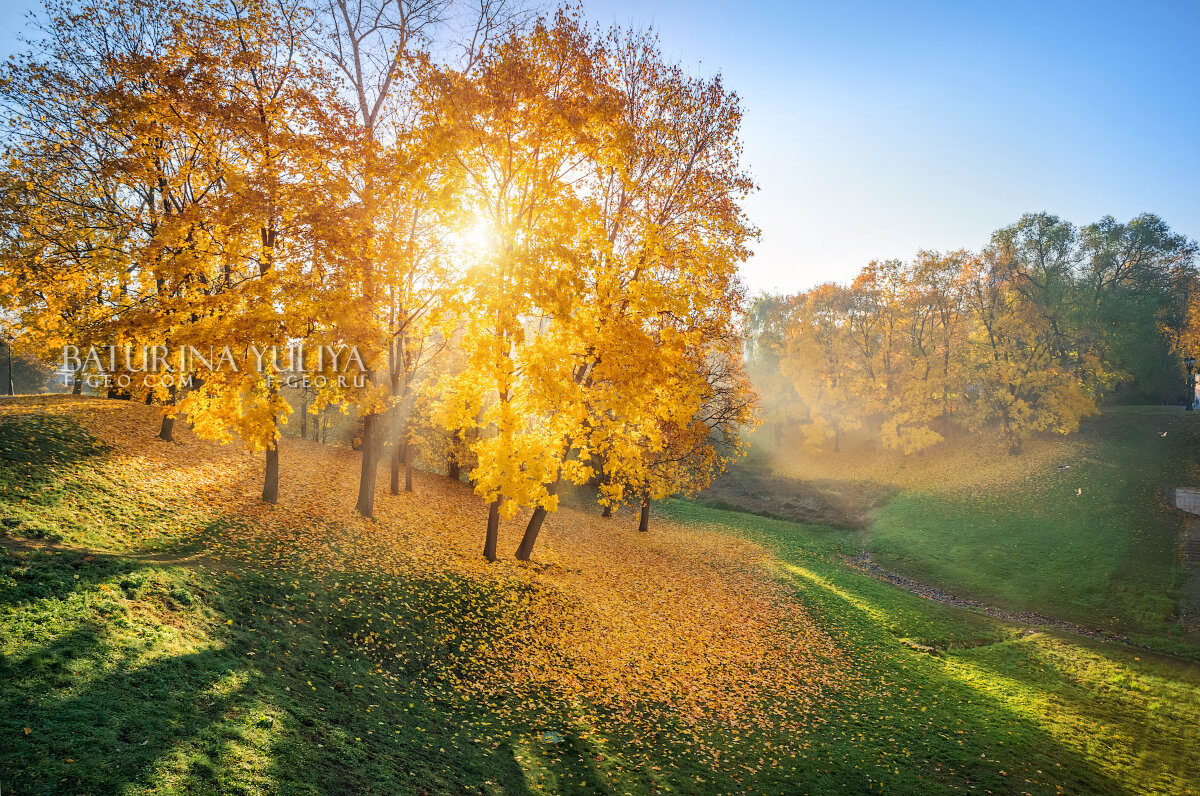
<point x="534" y="526"/>
<point x="303" y="416"/>
<point x="493" y="530"/>
<point x="607" y="512"/>
<point x="270" y="493"/>
<point x="452" y="469"/>
<point x="76" y="385"/>
<point x="370" y="467"/>
<point x="644" y="522"/>
<point x="396" y="457"/>
<point x="167" y="432"/>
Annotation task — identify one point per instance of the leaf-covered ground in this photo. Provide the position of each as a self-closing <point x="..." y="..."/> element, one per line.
<point x="163" y="631"/>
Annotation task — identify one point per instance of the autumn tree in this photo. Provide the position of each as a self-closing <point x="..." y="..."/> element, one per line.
<point x="1018" y="376"/>
<point x="939" y="324"/>
<point x="102" y="183"/>
<point x="661" y="303"/>
<point x="820" y="359"/>
<point x="629" y="211"/>
<point x="690" y="447"/>
<point x="526" y="124"/>
<point x="283" y="198"/>
<point x="200" y="142"/>
<point x="768" y="320"/>
<point x="377" y="46"/>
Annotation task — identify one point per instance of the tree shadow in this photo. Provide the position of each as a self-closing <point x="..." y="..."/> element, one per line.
<point x="105" y="731"/>
<point x="958" y="721"/>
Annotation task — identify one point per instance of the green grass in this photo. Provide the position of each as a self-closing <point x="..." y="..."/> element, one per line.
<point x="1047" y="709"/>
<point x="134" y="675"/>
<point x="1106" y="558"/>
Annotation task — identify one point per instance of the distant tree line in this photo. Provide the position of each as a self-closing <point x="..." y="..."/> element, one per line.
<point x="1029" y="335"/>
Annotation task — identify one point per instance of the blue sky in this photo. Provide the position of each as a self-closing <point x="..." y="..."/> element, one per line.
<point x="877" y="129"/>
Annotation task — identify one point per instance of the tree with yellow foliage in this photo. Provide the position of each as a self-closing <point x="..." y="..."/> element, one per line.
<point x="526" y="124"/>
<point x="820" y="359"/>
<point x="661" y="305"/>
<point x="1015" y="376"/>
<point x="282" y="127"/>
<point x="609" y="185"/>
<point x="106" y="184"/>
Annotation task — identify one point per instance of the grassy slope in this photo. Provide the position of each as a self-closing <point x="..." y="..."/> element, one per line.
<point x="1084" y="716"/>
<point x="1106" y="558"/>
<point x="148" y="669"/>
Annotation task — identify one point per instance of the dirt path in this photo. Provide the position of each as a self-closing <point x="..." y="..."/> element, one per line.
<point x="863" y="563"/>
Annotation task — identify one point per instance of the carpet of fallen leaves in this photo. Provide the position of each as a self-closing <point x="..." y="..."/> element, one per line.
<point x="677" y="622"/>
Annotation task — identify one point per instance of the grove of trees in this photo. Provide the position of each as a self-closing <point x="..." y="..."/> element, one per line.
<point x="1028" y="335"/>
<point x="525" y="228"/>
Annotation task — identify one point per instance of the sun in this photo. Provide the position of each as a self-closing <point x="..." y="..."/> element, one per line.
<point x="477" y="238"/>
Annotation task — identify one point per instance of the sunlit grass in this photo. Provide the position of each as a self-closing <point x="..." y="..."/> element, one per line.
<point x="1126" y="716"/>
<point x="1084" y="536"/>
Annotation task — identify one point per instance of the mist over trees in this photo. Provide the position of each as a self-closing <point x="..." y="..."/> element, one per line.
<point x="1030" y="334"/>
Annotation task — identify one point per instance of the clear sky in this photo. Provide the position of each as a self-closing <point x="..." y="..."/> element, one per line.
<point x="877" y="129"/>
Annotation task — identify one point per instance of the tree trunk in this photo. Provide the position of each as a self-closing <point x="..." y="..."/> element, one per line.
<point x="644" y="522"/>
<point x="408" y="475"/>
<point x="493" y="530"/>
<point x="270" y="493"/>
<point x="534" y="526"/>
<point x="167" y="432"/>
<point x="370" y="468"/>
<point x="607" y="512"/>
<point x="837" y="439"/>
<point x="452" y="469"/>
<point x="76" y="385"/>
<point x="396" y="458"/>
<point x="304" y="415"/>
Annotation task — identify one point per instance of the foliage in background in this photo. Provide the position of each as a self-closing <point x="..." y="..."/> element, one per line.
<point x="1028" y="335"/>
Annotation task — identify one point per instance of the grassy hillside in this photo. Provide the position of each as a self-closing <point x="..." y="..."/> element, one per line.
<point x="1074" y="528"/>
<point x="163" y="632"/>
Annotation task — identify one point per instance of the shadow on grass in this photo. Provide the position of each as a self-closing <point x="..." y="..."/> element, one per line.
<point x="119" y="726"/>
<point x="963" y="727"/>
<point x="112" y="705"/>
